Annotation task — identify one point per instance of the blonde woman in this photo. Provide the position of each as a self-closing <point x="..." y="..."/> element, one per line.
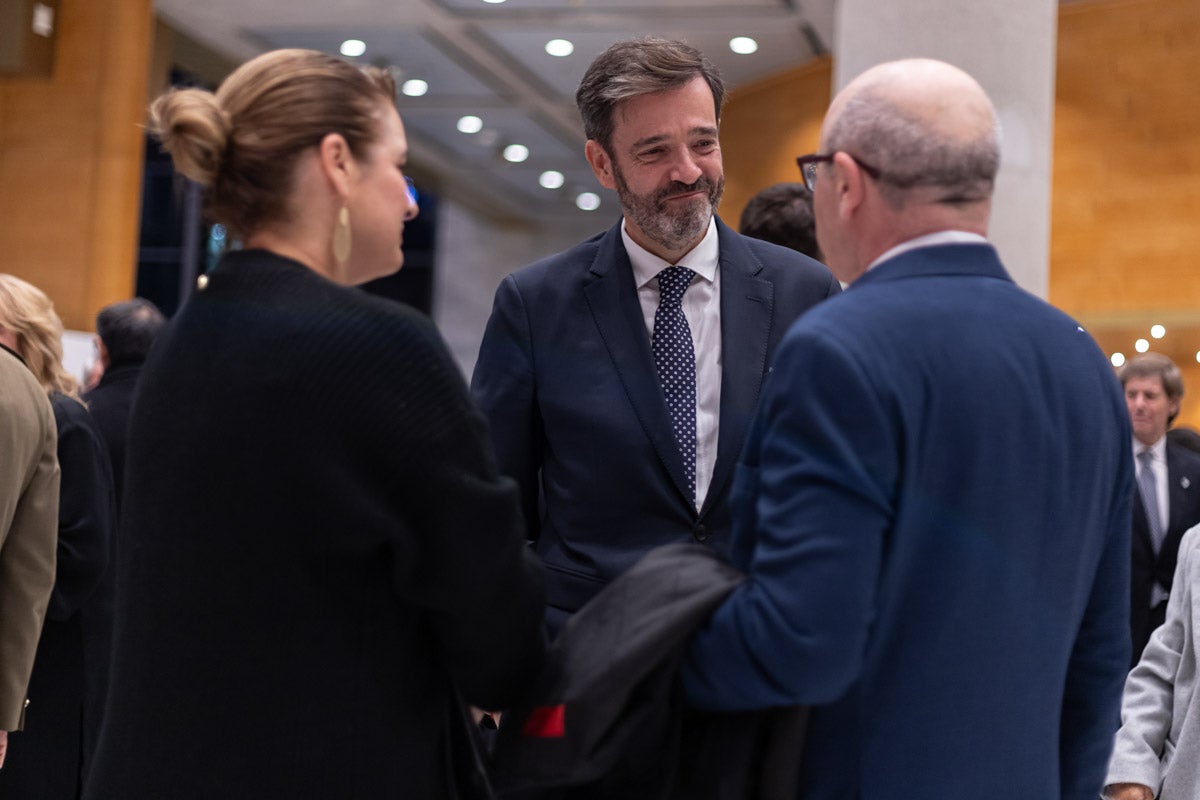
<point x="66" y="691"/>
<point x="318" y="554"/>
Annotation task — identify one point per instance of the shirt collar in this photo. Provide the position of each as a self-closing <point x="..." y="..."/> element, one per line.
<point x="1158" y="450"/>
<point x="701" y="259"/>
<point x="928" y="240"/>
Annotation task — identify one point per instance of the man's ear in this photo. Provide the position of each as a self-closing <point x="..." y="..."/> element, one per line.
<point x="601" y="163"/>
<point x="102" y="353"/>
<point x="849" y="184"/>
<point x="337" y="163"/>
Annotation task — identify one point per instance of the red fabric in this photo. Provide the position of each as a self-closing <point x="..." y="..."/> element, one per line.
<point x="545" y="722"/>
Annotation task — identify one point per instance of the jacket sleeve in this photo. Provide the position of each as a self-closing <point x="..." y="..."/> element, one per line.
<point x="825" y="467"/>
<point x="478" y="581"/>
<point x="28" y="531"/>
<point x="1146" y="705"/>
<point x="505" y="387"/>
<point x="85" y="510"/>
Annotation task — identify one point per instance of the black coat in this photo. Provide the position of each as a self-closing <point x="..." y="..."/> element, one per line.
<point x="607" y="719"/>
<point x="1146" y="567"/>
<point x="47" y="760"/>
<point x="109" y="404"/>
<point x="316" y="549"/>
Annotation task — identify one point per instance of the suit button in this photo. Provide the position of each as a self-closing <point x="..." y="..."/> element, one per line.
<point x="701" y="533"/>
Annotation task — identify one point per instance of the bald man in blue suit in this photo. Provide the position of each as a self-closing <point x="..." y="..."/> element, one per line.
<point x="936" y="531"/>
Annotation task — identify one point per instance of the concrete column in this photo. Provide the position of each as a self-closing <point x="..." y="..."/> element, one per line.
<point x="1009" y="48"/>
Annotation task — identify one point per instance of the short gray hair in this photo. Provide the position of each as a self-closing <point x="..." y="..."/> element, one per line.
<point x="909" y="155"/>
<point x="634" y="68"/>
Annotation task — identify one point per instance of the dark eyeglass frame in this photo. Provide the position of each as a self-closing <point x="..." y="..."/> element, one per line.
<point x="413" y="195"/>
<point x="808" y="167"/>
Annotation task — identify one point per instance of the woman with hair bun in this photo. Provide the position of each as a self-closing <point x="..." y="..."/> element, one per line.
<point x="318" y="555"/>
<point x="66" y="690"/>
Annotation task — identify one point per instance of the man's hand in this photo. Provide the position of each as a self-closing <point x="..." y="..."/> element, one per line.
<point x="3" y="746"/>
<point x="1128" y="791"/>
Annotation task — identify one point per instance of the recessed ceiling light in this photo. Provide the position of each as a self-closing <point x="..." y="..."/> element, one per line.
<point x="1198" y="356"/>
<point x="414" y="87"/>
<point x="516" y="153"/>
<point x="493" y="1"/>
<point x="353" y="48"/>
<point x="743" y="45"/>
<point x="469" y="124"/>
<point x="1158" y="331"/>
<point x="1141" y="345"/>
<point x="551" y="179"/>
<point x="1118" y="359"/>
<point x="587" y="201"/>
<point x="559" y="47"/>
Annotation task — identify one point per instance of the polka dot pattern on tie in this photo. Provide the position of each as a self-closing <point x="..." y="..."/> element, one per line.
<point x="675" y="360"/>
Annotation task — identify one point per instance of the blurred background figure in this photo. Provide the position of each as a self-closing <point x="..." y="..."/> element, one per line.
<point x="50" y="757"/>
<point x="318" y="556"/>
<point x="1167" y="502"/>
<point x="124" y="333"/>
<point x="782" y="214"/>
<point x="1184" y="437"/>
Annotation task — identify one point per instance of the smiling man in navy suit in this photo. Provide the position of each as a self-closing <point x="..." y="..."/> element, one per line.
<point x="1168" y="476"/>
<point x="620" y="376"/>
<point x="933" y="505"/>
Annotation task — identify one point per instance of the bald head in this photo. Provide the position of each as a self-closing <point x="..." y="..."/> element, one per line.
<point x="927" y="126"/>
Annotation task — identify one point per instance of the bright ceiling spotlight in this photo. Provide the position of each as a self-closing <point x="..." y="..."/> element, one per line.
<point x="353" y="48"/>
<point x="414" y="87"/>
<point x="469" y="124"/>
<point x="1141" y="345"/>
<point x="1118" y="359"/>
<point x="1158" y="331"/>
<point x="494" y="2"/>
<point x="743" y="45"/>
<point x="560" y="48"/>
<point x="587" y="201"/>
<point x="516" y="153"/>
<point x="551" y="179"/>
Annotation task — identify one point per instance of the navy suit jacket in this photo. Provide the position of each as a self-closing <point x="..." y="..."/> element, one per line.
<point x="567" y="379"/>
<point x="934" y="511"/>
<point x="1183" y="486"/>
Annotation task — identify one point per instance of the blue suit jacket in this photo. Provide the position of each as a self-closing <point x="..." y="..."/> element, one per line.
<point x="934" y="510"/>
<point x="566" y="377"/>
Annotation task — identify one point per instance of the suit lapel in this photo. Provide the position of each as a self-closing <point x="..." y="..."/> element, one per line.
<point x="747" y="304"/>
<point x="1178" y="499"/>
<point x="611" y="297"/>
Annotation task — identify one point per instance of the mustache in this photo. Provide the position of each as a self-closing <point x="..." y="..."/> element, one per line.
<point x="676" y="188"/>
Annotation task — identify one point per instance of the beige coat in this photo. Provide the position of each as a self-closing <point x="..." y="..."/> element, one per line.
<point x="28" y="528"/>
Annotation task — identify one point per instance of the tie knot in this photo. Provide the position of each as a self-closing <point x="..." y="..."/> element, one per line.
<point x="1145" y="457"/>
<point x="672" y="283"/>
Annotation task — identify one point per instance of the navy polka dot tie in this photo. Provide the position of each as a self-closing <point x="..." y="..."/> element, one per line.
<point x="675" y="360"/>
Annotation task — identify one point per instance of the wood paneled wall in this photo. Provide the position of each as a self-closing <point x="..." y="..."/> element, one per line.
<point x="765" y="126"/>
<point x="1125" y="224"/>
<point x="71" y="160"/>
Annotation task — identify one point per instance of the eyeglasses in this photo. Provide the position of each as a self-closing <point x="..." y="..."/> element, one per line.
<point x="808" y="167"/>
<point x="413" y="196"/>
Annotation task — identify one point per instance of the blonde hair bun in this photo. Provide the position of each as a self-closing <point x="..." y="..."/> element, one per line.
<point x="194" y="129"/>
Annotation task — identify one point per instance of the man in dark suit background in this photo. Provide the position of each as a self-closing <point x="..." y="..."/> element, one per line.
<point x="124" y="333"/>
<point x="621" y="420"/>
<point x="1167" y="502"/>
<point x="935" y="493"/>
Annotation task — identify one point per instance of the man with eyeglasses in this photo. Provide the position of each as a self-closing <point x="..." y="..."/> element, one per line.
<point x="936" y="529"/>
<point x="620" y="376"/>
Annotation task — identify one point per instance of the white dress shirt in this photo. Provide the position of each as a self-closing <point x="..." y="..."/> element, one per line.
<point x="936" y="238"/>
<point x="702" y="308"/>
